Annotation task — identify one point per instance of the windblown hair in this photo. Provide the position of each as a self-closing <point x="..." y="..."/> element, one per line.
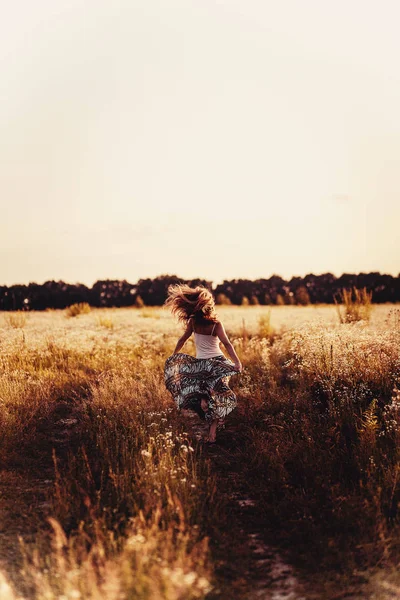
<point x="186" y="302"/>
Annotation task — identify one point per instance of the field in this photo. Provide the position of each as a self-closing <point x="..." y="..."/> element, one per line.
<point x="107" y="491"/>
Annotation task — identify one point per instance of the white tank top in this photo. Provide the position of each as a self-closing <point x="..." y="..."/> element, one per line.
<point x="207" y="345"/>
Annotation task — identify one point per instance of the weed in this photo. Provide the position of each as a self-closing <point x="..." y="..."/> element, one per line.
<point x="16" y="320"/>
<point x="265" y="329"/>
<point x="353" y="305"/>
<point x="81" y="308"/>
<point x="106" y="322"/>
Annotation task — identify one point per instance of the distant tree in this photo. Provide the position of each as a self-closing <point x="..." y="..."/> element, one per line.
<point x="267" y="298"/>
<point x="112" y="292"/>
<point x="56" y="294"/>
<point x="236" y="289"/>
<point x="288" y="296"/>
<point x="202" y="282"/>
<point x="326" y="285"/>
<point x="275" y="286"/>
<point x="302" y="296"/>
<point x="138" y="303"/>
<point x="222" y="299"/>
<point x="245" y="301"/>
<point x="14" y="297"/>
<point x="154" y="291"/>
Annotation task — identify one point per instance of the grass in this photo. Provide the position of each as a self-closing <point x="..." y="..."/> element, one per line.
<point x="134" y="507"/>
<point x="16" y="320"/>
<point x="127" y="496"/>
<point x="106" y="322"/>
<point x="353" y="305"/>
<point x="81" y="308"/>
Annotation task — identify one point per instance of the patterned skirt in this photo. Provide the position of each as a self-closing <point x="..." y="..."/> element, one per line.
<point x="190" y="379"/>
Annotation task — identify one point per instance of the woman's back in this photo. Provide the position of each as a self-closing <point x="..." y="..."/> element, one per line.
<point x="206" y="340"/>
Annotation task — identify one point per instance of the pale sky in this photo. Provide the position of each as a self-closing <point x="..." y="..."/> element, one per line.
<point x="203" y="138"/>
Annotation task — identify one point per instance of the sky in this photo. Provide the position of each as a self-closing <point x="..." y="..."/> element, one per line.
<point x="203" y="138"/>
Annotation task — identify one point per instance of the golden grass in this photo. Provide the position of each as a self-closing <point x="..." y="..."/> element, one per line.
<point x="16" y="320"/>
<point x="132" y="500"/>
<point x="354" y="305"/>
<point x="81" y="308"/>
<point x="127" y="500"/>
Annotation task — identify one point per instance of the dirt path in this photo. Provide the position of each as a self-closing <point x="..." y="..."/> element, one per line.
<point x="257" y="569"/>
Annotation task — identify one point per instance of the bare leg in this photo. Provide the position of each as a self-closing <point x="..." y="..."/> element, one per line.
<point x="221" y="424"/>
<point x="212" y="434"/>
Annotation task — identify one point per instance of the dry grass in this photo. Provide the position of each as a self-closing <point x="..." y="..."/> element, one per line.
<point x="16" y="320"/>
<point x="354" y="305"/>
<point x="81" y="308"/>
<point x="106" y="322"/>
<point x="132" y="501"/>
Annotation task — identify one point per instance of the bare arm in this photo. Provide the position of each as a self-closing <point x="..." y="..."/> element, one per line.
<point x="186" y="335"/>
<point x="229" y="348"/>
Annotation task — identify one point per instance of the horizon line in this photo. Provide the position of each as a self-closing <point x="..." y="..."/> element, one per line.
<point x="213" y="282"/>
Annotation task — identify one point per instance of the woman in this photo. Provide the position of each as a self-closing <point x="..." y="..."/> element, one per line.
<point x="201" y="383"/>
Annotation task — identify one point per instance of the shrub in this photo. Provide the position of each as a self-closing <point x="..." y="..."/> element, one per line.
<point x="264" y="325"/>
<point x="16" y="320"/>
<point x="302" y="296"/>
<point x="81" y="308"/>
<point x="289" y="298"/>
<point x="139" y="302"/>
<point x="267" y="299"/>
<point x="353" y="305"/>
<point x="106" y="322"/>
<point x="223" y="299"/>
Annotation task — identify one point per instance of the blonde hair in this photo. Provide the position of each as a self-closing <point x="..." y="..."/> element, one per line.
<point x="186" y="302"/>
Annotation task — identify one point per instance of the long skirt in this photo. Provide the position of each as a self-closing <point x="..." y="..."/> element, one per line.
<point x="191" y="379"/>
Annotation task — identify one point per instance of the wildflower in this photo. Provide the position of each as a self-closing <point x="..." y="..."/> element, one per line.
<point x="190" y="578"/>
<point x="135" y="539"/>
<point x="204" y="584"/>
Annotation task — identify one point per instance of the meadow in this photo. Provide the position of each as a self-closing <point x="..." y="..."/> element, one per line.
<point x="107" y="491"/>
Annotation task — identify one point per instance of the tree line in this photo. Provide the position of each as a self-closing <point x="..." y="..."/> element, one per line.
<point x="311" y="289"/>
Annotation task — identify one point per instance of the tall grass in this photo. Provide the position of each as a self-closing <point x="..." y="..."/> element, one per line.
<point x="81" y="308"/>
<point x="353" y="305"/>
<point x="16" y="320"/>
<point x="133" y="503"/>
<point x="322" y="442"/>
<point x="129" y="503"/>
